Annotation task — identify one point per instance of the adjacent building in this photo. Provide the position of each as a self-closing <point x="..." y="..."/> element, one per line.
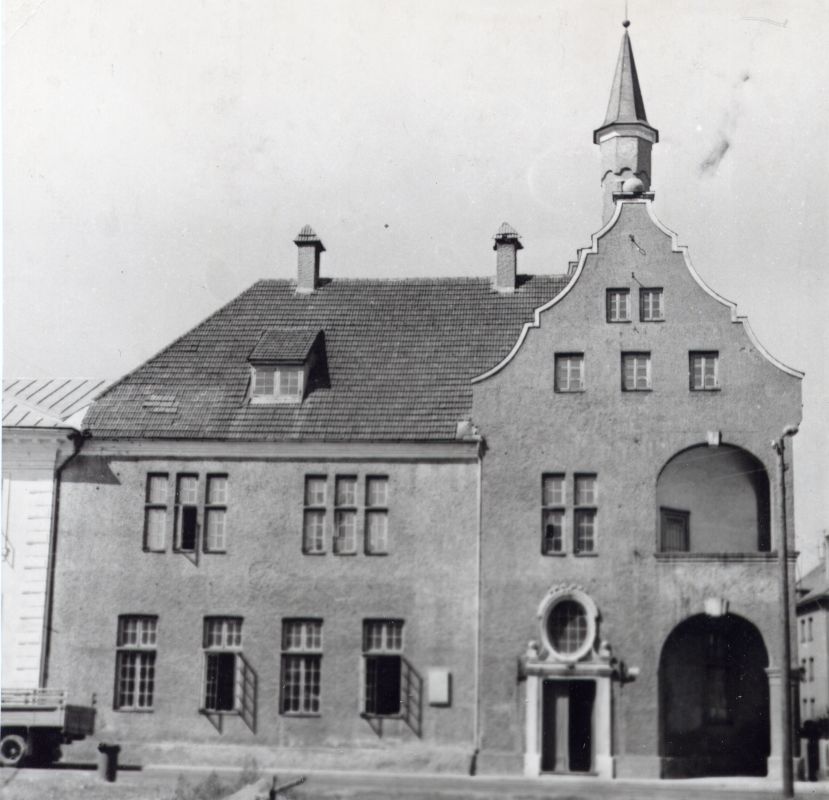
<point x="813" y="642"/>
<point x="517" y="524"/>
<point x="41" y="425"/>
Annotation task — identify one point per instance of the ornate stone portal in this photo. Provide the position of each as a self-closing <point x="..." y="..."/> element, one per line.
<point x="568" y="689"/>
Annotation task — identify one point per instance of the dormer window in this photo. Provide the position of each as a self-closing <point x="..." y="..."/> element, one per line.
<point x="286" y="365"/>
<point x="278" y="384"/>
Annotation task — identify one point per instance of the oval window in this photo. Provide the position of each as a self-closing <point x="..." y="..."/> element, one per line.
<point x="567" y="626"/>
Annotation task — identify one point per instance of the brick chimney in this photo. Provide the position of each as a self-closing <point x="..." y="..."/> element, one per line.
<point x="309" y="247"/>
<point x="507" y="245"/>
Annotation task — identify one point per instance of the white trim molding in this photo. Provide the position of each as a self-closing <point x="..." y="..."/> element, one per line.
<point x="675" y="248"/>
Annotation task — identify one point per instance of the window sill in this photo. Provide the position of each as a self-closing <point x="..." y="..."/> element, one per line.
<point x="350" y="553"/>
<point x="707" y="557"/>
<point x="134" y="710"/>
<point x="592" y="554"/>
<point x="554" y="553"/>
<point x="215" y="552"/>
<point x="148" y="550"/>
<point x="619" y="321"/>
<point x="210" y="712"/>
<point x="366" y="715"/>
<point x="301" y="714"/>
<point x="636" y="391"/>
<point x="381" y="555"/>
<point x="313" y="552"/>
<point x="648" y="321"/>
<point x="569" y="391"/>
<point x="706" y="391"/>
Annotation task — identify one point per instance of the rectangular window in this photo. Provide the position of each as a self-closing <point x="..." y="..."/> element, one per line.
<point x="313" y="533"/>
<point x="650" y="305"/>
<point x="618" y="305"/>
<point x="215" y="511"/>
<point x="809" y="629"/>
<point x="345" y="515"/>
<point x="811" y="670"/>
<point x="222" y="663"/>
<point x="278" y="384"/>
<point x="675" y="530"/>
<point x="636" y="372"/>
<point x="135" y="663"/>
<point x="553" y="499"/>
<point x="584" y="514"/>
<point x="382" y="648"/>
<point x="187" y="512"/>
<point x="802" y="631"/>
<point x="377" y="515"/>
<point x="704" y="371"/>
<point x="569" y="372"/>
<point x="155" y="512"/>
<point x="301" y="666"/>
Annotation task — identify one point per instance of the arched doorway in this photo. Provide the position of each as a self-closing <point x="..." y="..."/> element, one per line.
<point x="713" y="500"/>
<point x="714" y="699"/>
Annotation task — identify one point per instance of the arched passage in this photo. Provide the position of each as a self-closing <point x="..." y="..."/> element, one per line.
<point x="714" y="699"/>
<point x="713" y="500"/>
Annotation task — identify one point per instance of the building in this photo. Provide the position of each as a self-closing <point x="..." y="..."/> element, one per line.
<point x="813" y="642"/>
<point x="41" y="423"/>
<point x="513" y="525"/>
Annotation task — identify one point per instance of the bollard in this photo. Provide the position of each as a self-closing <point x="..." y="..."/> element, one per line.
<point x="108" y="761"/>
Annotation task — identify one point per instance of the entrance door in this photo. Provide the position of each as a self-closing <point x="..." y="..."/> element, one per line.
<point x="567" y="726"/>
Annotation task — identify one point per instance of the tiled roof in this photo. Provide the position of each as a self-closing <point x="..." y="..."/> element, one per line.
<point x="400" y="356"/>
<point x="47" y="402"/>
<point x="284" y="344"/>
<point x="813" y="585"/>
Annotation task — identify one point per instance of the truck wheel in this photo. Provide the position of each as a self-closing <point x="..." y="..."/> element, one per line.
<point x="12" y="750"/>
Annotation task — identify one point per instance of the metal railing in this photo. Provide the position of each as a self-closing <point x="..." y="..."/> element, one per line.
<point x="37" y="698"/>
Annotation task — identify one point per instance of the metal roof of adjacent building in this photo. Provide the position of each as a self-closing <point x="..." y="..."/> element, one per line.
<point x="400" y="356"/>
<point x="47" y="402"/>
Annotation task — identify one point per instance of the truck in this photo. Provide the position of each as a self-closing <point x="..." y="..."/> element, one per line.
<point x="34" y="723"/>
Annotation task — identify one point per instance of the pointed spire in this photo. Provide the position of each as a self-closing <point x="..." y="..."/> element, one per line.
<point x="625" y="137"/>
<point x="626" y="105"/>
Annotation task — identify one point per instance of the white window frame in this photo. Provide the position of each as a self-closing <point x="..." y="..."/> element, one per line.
<point x="277" y="384"/>
<point x="585" y="508"/>
<point x="156" y="508"/>
<point x="704" y="359"/>
<point x="180" y="507"/>
<point x="222" y="635"/>
<point x="135" y="662"/>
<point x="646" y="304"/>
<point x="314" y="515"/>
<point x="553" y="503"/>
<point x="303" y="659"/>
<point x="382" y="638"/>
<point x="617" y="302"/>
<point x="569" y="372"/>
<point x="215" y="508"/>
<point x="638" y="360"/>
<point x="346" y="489"/>
<point x="376" y="535"/>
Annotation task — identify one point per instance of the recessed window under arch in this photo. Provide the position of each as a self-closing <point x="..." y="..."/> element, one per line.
<point x="713" y="500"/>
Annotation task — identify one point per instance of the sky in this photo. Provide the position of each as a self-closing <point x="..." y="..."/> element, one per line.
<point x="158" y="158"/>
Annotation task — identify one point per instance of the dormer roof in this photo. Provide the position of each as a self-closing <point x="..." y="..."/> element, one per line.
<point x="284" y="345"/>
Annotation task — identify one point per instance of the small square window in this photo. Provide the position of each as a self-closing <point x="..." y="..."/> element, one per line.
<point x="585" y="530"/>
<point x="346" y="491"/>
<point x="553" y="525"/>
<point x="636" y="372"/>
<point x="569" y="372"/>
<point x="618" y="305"/>
<point x="704" y="371"/>
<point x="377" y="492"/>
<point x="277" y="384"/>
<point x="377" y="533"/>
<point x="651" y="307"/>
<point x="345" y="532"/>
<point x="554" y="492"/>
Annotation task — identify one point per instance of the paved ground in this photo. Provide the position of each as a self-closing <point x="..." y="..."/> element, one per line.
<point x="188" y="783"/>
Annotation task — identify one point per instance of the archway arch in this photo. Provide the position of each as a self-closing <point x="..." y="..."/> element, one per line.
<point x="714" y="699"/>
<point x="713" y="500"/>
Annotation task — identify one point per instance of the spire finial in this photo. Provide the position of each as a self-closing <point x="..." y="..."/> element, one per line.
<point x="626" y="23"/>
